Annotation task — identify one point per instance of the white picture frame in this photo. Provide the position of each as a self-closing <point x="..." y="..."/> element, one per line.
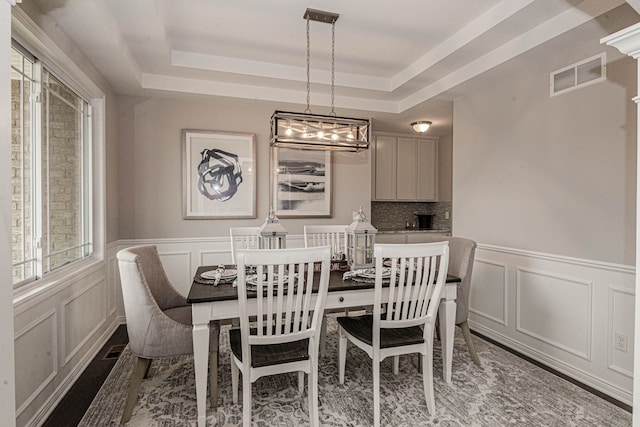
<point x="301" y="183"/>
<point x="219" y="174"/>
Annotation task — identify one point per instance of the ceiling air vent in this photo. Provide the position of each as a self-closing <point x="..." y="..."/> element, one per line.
<point x="583" y="73"/>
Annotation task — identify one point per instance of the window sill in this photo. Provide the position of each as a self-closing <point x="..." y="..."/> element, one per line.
<point x="55" y="281"/>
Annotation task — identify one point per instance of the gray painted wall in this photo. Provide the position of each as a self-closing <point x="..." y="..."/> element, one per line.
<point x="553" y="175"/>
<point x="150" y="171"/>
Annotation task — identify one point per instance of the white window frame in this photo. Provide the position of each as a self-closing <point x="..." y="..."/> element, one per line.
<point x="61" y="65"/>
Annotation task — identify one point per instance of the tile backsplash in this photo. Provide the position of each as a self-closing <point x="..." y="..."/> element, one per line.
<point x="394" y="215"/>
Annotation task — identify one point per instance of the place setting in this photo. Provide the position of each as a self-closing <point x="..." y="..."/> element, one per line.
<point x="220" y="275"/>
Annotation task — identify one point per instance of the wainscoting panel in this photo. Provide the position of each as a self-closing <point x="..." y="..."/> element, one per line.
<point x="112" y="288"/>
<point x="83" y="313"/>
<point x="621" y="336"/>
<point x="177" y="264"/>
<point x="554" y="309"/>
<point x="211" y="257"/>
<point x="488" y="295"/>
<point x="60" y="324"/>
<point x="573" y="315"/>
<point x="37" y="347"/>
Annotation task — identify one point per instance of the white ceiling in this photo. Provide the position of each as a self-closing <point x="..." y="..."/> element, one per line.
<point x="392" y="57"/>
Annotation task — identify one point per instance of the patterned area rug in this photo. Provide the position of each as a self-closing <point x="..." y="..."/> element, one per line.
<point x="505" y="391"/>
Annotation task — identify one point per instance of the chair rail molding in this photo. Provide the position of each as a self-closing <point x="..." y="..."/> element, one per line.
<point x="627" y="41"/>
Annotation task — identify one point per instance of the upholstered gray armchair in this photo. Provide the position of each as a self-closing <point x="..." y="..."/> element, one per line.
<point x="158" y="319"/>
<point x="461" y="255"/>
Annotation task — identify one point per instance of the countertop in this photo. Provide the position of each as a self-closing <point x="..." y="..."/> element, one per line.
<point x="413" y="230"/>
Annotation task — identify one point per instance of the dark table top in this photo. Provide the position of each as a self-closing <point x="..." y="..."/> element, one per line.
<point x="226" y="292"/>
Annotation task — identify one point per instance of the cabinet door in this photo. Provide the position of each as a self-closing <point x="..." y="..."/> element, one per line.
<point x="385" y="168"/>
<point x="406" y="186"/>
<point x="427" y="171"/>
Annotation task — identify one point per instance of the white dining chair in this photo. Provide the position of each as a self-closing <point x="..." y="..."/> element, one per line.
<point x="284" y="334"/>
<point x="416" y="275"/>
<point x="243" y="238"/>
<point x="334" y="236"/>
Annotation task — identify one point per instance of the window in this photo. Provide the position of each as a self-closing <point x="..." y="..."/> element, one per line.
<point x="51" y="175"/>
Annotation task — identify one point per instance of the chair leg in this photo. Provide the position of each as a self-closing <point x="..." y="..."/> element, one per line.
<point x="246" y="399"/>
<point x="314" y="415"/>
<point x="323" y="336"/>
<point x="213" y="378"/>
<point x="427" y="381"/>
<point x="235" y="374"/>
<point x="140" y="367"/>
<point x="376" y="389"/>
<point x="146" y="371"/>
<point x="342" y="355"/>
<point x="396" y="365"/>
<point x="300" y="382"/>
<point x="467" y="339"/>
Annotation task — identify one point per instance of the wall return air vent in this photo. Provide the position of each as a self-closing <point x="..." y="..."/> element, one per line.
<point x="589" y="71"/>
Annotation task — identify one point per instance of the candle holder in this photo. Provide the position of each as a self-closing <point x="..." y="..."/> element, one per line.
<point x="361" y="236"/>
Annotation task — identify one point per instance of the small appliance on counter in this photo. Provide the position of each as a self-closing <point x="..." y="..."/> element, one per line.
<point x="423" y="221"/>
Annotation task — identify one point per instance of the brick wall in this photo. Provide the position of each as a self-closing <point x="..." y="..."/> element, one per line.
<point x="21" y="180"/>
<point x="62" y="157"/>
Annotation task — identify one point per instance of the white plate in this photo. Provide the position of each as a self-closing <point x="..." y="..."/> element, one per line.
<point x="227" y="274"/>
<point x="370" y="273"/>
<point x="252" y="279"/>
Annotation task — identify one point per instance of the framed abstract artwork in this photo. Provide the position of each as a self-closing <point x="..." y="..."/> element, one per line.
<point x="219" y="174"/>
<point x="301" y="182"/>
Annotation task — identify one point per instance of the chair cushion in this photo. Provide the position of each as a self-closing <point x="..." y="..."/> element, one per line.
<point x="272" y="354"/>
<point x="180" y="314"/>
<point x="361" y="327"/>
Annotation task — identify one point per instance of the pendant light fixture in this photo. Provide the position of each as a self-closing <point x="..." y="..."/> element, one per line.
<point x="315" y="131"/>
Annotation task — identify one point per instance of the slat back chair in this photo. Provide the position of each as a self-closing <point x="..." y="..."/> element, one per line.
<point x="284" y="335"/>
<point x="334" y="236"/>
<point x="417" y="276"/>
<point x="243" y="238"/>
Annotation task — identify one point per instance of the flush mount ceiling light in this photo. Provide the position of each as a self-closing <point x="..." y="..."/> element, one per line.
<point x="421" y="126"/>
<point x="315" y="131"/>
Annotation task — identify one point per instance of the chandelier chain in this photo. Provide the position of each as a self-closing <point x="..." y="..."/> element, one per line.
<point x="333" y="66"/>
<point x="308" y="109"/>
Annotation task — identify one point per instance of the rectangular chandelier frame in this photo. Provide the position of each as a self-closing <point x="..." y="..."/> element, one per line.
<point x="319" y="132"/>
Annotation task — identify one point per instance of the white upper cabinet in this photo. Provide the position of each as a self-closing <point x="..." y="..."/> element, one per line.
<point x="385" y="153"/>
<point x="405" y="168"/>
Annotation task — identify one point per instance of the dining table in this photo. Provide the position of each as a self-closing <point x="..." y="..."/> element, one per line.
<point x="220" y="302"/>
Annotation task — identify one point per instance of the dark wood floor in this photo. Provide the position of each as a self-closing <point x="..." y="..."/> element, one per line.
<point x="71" y="409"/>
